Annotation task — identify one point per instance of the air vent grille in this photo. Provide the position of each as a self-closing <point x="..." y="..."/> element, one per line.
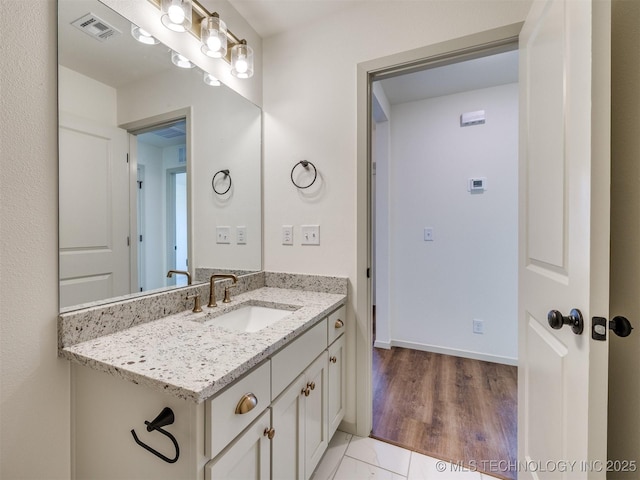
<point x="97" y="28"/>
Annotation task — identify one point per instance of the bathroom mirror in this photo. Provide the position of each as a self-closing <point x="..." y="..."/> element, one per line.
<point x="140" y="141"/>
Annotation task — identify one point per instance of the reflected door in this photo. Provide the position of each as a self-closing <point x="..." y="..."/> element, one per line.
<point x="94" y="211"/>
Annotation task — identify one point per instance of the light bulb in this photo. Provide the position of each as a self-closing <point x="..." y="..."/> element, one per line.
<point x="211" y="80"/>
<point x="180" y="60"/>
<point x="214" y="43"/>
<point x="143" y="36"/>
<point x="241" y="65"/>
<point x="242" y="60"/>
<point x="176" y="14"/>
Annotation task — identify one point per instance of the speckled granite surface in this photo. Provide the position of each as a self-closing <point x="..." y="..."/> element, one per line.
<point x="101" y="319"/>
<point x="316" y="283"/>
<point x="180" y="355"/>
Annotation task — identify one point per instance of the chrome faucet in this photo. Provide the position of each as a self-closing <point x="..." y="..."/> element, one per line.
<point x="181" y="272"/>
<point x="212" y="291"/>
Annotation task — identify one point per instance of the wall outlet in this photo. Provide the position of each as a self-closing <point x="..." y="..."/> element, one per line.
<point x="478" y="326"/>
<point x="428" y="234"/>
<point x="287" y="234"/>
<point x="310" y="235"/>
<point x="223" y="234"/>
<point x="241" y="235"/>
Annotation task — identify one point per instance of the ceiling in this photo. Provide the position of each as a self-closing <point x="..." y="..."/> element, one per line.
<point x="270" y="17"/>
<point x="84" y="54"/>
<point x="475" y="74"/>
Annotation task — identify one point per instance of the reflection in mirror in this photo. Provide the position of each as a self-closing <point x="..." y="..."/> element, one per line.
<point x="140" y="141"/>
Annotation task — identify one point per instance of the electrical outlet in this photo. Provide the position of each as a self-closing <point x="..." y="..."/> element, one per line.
<point x="241" y="235"/>
<point x="428" y="234"/>
<point x="287" y="234"/>
<point x="310" y="235"/>
<point x="223" y="234"/>
<point x="478" y="326"/>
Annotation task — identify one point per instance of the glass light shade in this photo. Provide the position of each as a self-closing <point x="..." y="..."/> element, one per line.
<point x="242" y="60"/>
<point x="143" y="36"/>
<point x="176" y="14"/>
<point x="211" y="80"/>
<point x="180" y="60"/>
<point x="213" y="34"/>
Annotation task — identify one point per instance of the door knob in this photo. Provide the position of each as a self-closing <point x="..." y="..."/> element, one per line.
<point x="621" y="326"/>
<point x="557" y="320"/>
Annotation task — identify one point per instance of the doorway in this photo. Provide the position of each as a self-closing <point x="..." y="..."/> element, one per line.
<point x="160" y="156"/>
<point x="444" y="143"/>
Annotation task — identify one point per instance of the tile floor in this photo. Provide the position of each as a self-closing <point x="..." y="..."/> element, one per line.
<point x="354" y="458"/>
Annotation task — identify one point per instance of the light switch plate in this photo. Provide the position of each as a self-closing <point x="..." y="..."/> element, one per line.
<point x="310" y="235"/>
<point x="223" y="234"/>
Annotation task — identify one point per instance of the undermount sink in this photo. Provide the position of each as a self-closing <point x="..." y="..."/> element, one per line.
<point x="249" y="318"/>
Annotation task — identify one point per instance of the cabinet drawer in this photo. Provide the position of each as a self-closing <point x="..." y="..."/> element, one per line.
<point x="223" y="423"/>
<point x="337" y="324"/>
<point x="289" y="362"/>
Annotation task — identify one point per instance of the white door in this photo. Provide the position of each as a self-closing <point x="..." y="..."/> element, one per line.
<point x="564" y="237"/>
<point x="94" y="211"/>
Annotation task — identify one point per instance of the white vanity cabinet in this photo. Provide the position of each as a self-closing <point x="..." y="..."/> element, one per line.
<point x="299" y="418"/>
<point x="248" y="457"/>
<point x="292" y="404"/>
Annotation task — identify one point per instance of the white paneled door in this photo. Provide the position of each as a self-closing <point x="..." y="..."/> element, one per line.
<point x="94" y="211"/>
<point x="564" y="232"/>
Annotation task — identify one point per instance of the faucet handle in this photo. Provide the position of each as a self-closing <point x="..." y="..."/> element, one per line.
<point x="196" y="304"/>
<point x="227" y="293"/>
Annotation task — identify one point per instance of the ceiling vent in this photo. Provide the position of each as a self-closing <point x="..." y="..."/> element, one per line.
<point x="94" y="26"/>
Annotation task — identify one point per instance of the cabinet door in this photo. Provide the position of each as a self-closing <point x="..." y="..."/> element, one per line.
<point x="337" y="391"/>
<point x="248" y="458"/>
<point x="316" y="413"/>
<point x="287" y="418"/>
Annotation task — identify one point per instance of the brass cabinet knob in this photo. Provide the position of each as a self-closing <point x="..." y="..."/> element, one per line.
<point x="333" y="359"/>
<point x="339" y="323"/>
<point x="270" y="433"/>
<point x="306" y="391"/>
<point x="247" y="403"/>
<point x="311" y="385"/>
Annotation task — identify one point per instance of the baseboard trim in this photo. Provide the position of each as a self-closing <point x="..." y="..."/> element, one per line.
<point x="449" y="351"/>
<point x="385" y="345"/>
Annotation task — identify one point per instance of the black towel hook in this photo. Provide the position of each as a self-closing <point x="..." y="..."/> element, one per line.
<point x="165" y="417"/>
<point x="305" y="164"/>
<point x="226" y="175"/>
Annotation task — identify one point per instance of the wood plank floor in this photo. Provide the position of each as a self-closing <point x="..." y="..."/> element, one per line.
<point x="446" y="407"/>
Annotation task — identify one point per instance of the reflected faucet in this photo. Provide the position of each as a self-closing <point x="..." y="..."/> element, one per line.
<point x="212" y="291"/>
<point x="181" y="272"/>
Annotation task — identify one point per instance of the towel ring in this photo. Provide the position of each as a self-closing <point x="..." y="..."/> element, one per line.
<point x="305" y="164"/>
<point x="213" y="181"/>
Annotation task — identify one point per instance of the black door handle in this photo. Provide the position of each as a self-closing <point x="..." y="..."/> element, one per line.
<point x="620" y="326"/>
<point x="557" y="320"/>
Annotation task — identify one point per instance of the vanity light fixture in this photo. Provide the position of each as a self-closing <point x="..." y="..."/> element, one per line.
<point x="213" y="35"/>
<point x="143" y="36"/>
<point x="242" y="60"/>
<point x="211" y="80"/>
<point x="216" y="39"/>
<point x="177" y="14"/>
<point x="180" y="60"/>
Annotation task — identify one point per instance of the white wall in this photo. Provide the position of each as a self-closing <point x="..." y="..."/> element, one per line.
<point x="469" y="271"/>
<point x="226" y="134"/>
<point x="35" y="387"/>
<point x="310" y="113"/>
<point x="85" y="97"/>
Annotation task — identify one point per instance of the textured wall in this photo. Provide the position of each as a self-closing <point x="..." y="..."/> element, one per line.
<point x="35" y="409"/>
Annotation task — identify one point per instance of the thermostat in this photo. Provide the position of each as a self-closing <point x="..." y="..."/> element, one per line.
<point x="476" y="185"/>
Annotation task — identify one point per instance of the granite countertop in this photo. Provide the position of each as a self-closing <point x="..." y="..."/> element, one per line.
<point x="181" y="356"/>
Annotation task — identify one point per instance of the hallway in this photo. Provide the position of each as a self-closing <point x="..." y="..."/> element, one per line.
<point x="447" y="407"/>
